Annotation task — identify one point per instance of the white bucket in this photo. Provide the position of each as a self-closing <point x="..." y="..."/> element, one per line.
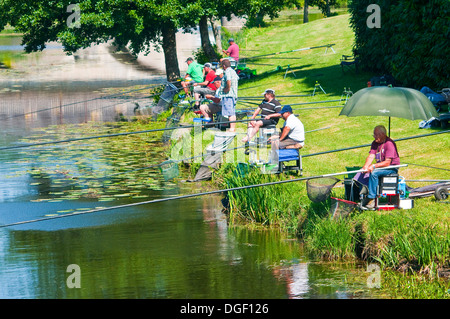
<point x="406" y="203"/>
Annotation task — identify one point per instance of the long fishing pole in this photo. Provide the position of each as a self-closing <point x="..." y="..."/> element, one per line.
<point x="93" y="99"/>
<point x="190" y="158"/>
<point x="317" y="108"/>
<point x="317" y="102"/>
<point x="283" y="52"/>
<point x="187" y="196"/>
<point x="190" y="126"/>
<point x="366" y="145"/>
<point x="172" y="161"/>
<point x="117" y="134"/>
<point x="444" y="169"/>
<point x="278" y="96"/>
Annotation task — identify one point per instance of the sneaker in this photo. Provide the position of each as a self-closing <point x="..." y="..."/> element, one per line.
<point x="370" y="204"/>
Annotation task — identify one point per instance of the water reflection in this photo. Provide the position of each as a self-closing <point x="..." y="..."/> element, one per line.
<point x="175" y="249"/>
<point x="160" y="253"/>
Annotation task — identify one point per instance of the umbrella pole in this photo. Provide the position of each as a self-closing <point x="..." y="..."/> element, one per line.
<point x="389" y="126"/>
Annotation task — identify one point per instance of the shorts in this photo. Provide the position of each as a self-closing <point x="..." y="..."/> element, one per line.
<point x="228" y="106"/>
<point x="287" y="142"/>
<point x="213" y="108"/>
<point x="267" y="122"/>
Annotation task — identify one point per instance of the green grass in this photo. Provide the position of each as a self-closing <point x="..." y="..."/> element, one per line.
<point x="315" y="65"/>
<point x="418" y="238"/>
<point x="267" y="205"/>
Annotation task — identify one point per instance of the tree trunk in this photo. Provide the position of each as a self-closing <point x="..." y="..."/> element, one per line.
<point x="204" y="37"/>
<point x="328" y="9"/>
<point x="305" y="12"/>
<point x="169" y="45"/>
<point x="217" y="33"/>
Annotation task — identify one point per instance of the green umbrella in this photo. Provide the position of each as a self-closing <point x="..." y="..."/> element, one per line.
<point x="390" y="101"/>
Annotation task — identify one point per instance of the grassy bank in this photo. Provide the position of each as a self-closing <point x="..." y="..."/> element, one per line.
<point x="416" y="239"/>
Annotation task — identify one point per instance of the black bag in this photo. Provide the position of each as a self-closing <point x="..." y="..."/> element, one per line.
<point x="221" y="119"/>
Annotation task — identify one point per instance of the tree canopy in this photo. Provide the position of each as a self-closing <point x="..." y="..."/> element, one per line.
<point x="411" y="42"/>
<point x="141" y="25"/>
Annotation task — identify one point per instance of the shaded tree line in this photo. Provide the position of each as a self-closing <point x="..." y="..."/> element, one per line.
<point x="140" y="25"/>
<point x="411" y="42"/>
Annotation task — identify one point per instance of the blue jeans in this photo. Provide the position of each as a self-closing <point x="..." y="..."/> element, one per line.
<point x="373" y="180"/>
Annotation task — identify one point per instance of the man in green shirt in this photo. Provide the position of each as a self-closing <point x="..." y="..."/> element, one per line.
<point x="194" y="74"/>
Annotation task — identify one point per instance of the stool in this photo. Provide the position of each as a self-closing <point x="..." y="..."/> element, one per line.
<point x="287" y="155"/>
<point x="388" y="196"/>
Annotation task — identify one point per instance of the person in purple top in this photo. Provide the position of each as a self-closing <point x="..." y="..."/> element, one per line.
<point x="384" y="151"/>
<point x="233" y="50"/>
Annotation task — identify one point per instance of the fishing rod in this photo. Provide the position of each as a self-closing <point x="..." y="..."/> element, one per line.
<point x="93" y="99"/>
<point x="247" y="102"/>
<point x="317" y="102"/>
<point x="171" y="161"/>
<point x="190" y="158"/>
<point x="256" y="63"/>
<point x="185" y="126"/>
<point x="366" y="145"/>
<point x="444" y="169"/>
<point x="252" y="87"/>
<point x="296" y="50"/>
<point x="160" y="200"/>
<point x="256" y="97"/>
<point x="118" y="134"/>
<point x="77" y="181"/>
<point x="427" y="180"/>
<point x="318" y="108"/>
<point x="289" y="58"/>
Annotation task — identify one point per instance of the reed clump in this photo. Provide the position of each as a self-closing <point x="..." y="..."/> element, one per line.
<point x="279" y="205"/>
<point x="409" y="240"/>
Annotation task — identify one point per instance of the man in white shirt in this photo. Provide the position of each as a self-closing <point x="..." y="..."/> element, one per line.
<point x="293" y="132"/>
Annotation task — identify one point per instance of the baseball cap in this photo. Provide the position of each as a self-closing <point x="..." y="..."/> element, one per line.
<point x="207" y="65"/>
<point x="230" y="40"/>
<point x="219" y="71"/>
<point x="269" y="91"/>
<point x="189" y="59"/>
<point x="286" y="108"/>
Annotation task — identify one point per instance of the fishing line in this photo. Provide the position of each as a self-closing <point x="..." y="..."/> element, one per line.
<point x="186" y="126"/>
<point x="444" y="169"/>
<point x="121" y="134"/>
<point x="366" y="145"/>
<point x="427" y="180"/>
<point x="278" y="96"/>
<point x="81" y="180"/>
<point x="185" y="196"/>
<point x="282" y="52"/>
<point x="317" y="102"/>
<point x="91" y="100"/>
<point x="117" y="134"/>
<point x="189" y="158"/>
<point x="77" y="180"/>
<point x="317" y="108"/>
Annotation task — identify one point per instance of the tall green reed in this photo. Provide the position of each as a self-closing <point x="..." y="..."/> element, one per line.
<point x="271" y="205"/>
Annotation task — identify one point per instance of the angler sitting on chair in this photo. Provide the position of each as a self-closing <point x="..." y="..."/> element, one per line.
<point x="267" y="107"/>
<point x="206" y="87"/>
<point x="293" y="132"/>
<point x="384" y="151"/>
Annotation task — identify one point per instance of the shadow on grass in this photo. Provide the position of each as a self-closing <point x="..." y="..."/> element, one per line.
<point x="331" y="78"/>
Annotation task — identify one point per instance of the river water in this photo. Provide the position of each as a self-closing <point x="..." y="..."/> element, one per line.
<point x="174" y="249"/>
